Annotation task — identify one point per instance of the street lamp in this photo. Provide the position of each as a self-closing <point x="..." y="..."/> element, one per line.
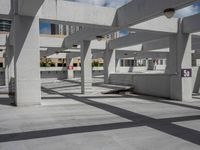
<point x="99" y="37"/>
<point x="169" y="12"/>
<point x="74" y="46"/>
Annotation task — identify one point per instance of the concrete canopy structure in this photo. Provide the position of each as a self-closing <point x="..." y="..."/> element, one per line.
<point x="170" y="38"/>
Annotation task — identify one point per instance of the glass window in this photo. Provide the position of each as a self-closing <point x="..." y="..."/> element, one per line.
<point x="161" y="62"/>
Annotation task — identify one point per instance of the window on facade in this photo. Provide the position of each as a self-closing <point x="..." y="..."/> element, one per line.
<point x="75" y="64"/>
<point x="121" y="63"/>
<point x="60" y="64"/>
<point x="161" y="62"/>
<point x="101" y="64"/>
<point x="126" y="63"/>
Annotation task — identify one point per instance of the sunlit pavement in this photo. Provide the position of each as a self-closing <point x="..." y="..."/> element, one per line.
<point x="68" y="120"/>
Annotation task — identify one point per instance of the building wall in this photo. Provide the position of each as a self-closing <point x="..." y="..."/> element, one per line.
<point x="153" y="84"/>
<point x="53" y="74"/>
<point x="61" y="72"/>
<point x="148" y="84"/>
<point x="131" y="69"/>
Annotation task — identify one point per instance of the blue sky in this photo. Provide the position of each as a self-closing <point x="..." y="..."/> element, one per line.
<point x="45" y="28"/>
<point x="188" y="11"/>
<point x="106" y="3"/>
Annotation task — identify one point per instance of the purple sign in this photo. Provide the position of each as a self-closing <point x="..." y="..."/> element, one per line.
<point x="186" y="73"/>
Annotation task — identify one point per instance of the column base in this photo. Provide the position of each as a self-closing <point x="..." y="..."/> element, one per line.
<point x="87" y="88"/>
<point x="181" y="89"/>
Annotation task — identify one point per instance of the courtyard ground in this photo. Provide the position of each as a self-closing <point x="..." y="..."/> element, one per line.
<point x="68" y="120"/>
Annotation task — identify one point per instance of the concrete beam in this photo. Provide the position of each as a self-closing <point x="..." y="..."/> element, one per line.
<point x="163" y="53"/>
<point x="6" y="9"/>
<point x="159" y="24"/>
<point x="131" y="48"/>
<point x="153" y="54"/>
<point x="156" y="44"/>
<point x="84" y="34"/>
<point x="195" y="42"/>
<point x="97" y="55"/>
<point x="76" y="13"/>
<point x="52" y="51"/>
<point x="191" y="24"/>
<point x="135" y="39"/>
<point x="29" y="7"/>
<point x="138" y="11"/>
<point x="51" y="41"/>
<point x="57" y="43"/>
<point x="56" y="52"/>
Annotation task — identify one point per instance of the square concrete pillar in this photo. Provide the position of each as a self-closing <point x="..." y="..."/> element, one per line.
<point x="171" y="67"/>
<point x="197" y="62"/>
<point x="9" y="71"/>
<point x="147" y="64"/>
<point x="181" y="87"/>
<point x="118" y="65"/>
<point x="27" y="60"/>
<point x="70" y="71"/>
<point x="86" y="67"/>
<point x="109" y="64"/>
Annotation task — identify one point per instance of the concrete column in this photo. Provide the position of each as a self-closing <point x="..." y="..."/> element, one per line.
<point x="118" y="65"/>
<point x="69" y="62"/>
<point x="9" y="71"/>
<point x="181" y="87"/>
<point x="171" y="67"/>
<point x="86" y="67"/>
<point x="7" y="66"/>
<point x="197" y="62"/>
<point x="27" y="60"/>
<point x="109" y="64"/>
<point x="147" y="64"/>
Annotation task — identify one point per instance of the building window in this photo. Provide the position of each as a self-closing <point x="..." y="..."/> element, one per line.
<point x="161" y="62"/>
<point x="60" y="65"/>
<point x="75" y="65"/>
<point x="121" y="63"/>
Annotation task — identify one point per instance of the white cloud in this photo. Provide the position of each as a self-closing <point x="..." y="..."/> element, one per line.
<point x="188" y="11"/>
<point x="45" y="30"/>
<point x="108" y="3"/>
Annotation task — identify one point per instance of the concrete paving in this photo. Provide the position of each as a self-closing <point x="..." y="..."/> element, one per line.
<point x="68" y="120"/>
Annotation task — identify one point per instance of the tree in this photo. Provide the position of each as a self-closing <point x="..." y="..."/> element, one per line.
<point x="95" y="63"/>
<point x="46" y="62"/>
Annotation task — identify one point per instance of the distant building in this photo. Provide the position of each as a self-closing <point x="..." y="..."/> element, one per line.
<point x="59" y="29"/>
<point x="5" y="25"/>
